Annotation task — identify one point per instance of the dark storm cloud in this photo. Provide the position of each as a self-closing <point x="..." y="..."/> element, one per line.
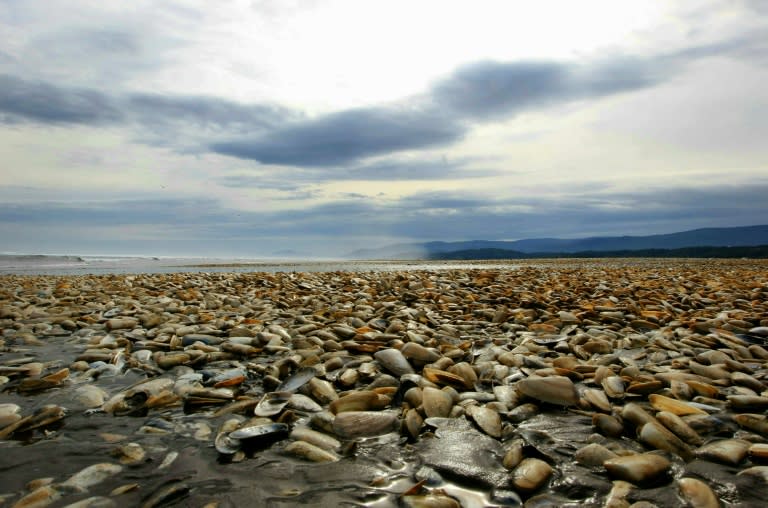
<point x="488" y="90"/>
<point x="206" y="112"/>
<point x="36" y="101"/>
<point x="344" y="137"/>
<point x="46" y="103"/>
<point x="478" y="92"/>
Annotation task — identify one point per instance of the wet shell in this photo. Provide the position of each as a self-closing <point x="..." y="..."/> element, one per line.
<point x="131" y="453"/>
<point x="322" y="391"/>
<point x="758" y="452"/>
<point x="513" y="455"/>
<point x="726" y="451"/>
<point x="316" y="438"/>
<point x="444" y="378"/>
<point x="301" y="402"/>
<point x="393" y="361"/>
<point x="356" y="424"/>
<point x="355" y="401"/>
<point x="417" y="352"/>
<point x="607" y="425"/>
<point x="42" y="496"/>
<point x="274" y="430"/>
<point x="530" y="475"/>
<point x="9" y="413"/>
<point x="436" y="403"/>
<point x="487" y="419"/>
<point x="297" y="380"/>
<point x="430" y="501"/>
<point x="308" y="451"/>
<point x="90" y="476"/>
<point x="638" y="469"/>
<point x="272" y="403"/>
<point x="593" y="455"/>
<point x="753" y="422"/>
<point x="697" y="494"/>
<point x="613" y="387"/>
<point x="678" y="427"/>
<point x="553" y="389"/>
<point x="678" y="407"/>
<point x="227" y="445"/>
<point x="598" y="399"/>
<point x="656" y="435"/>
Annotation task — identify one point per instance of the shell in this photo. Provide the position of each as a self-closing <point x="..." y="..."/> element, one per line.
<point x="553" y="389"/>
<point x="678" y="407"/>
<point x="726" y="451"/>
<point x="656" y="435"/>
<point x="638" y="469"/>
<point x="297" y="380"/>
<point x="272" y="403"/>
<point x="436" y="403"/>
<point x="530" y="475"/>
<point x="258" y="431"/>
<point x="393" y="361"/>
<point x="697" y="494"/>
<point x="356" y="424"/>
<point x="308" y="451"/>
<point x="487" y="419"/>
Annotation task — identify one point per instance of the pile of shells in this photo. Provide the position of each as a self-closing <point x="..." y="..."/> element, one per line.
<point x="611" y="383"/>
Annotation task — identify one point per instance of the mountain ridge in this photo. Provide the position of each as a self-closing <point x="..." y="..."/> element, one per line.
<point x="739" y="236"/>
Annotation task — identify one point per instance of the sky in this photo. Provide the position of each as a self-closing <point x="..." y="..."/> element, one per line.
<point x="313" y="128"/>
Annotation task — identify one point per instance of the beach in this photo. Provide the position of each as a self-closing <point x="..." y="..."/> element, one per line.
<point x="631" y="382"/>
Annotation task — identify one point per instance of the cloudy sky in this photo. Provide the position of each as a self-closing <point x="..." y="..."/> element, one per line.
<point x="255" y="128"/>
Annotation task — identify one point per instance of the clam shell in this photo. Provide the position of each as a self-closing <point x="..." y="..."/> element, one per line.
<point x="513" y="455"/>
<point x="393" y="361"/>
<point x="444" y="378"/>
<point x="413" y="423"/>
<point x="607" y="425"/>
<point x="597" y="399"/>
<point x="322" y="391"/>
<point x="726" y="451"/>
<point x="753" y="422"/>
<point x="355" y="401"/>
<point x="301" y="402"/>
<point x="613" y="387"/>
<point x="309" y="451"/>
<point x="272" y="403"/>
<point x="530" y="475"/>
<point x="638" y="469"/>
<point x="674" y="406"/>
<point x="553" y="389"/>
<point x="656" y="435"/>
<point x="316" y="438"/>
<point x="678" y="427"/>
<point x="436" y="403"/>
<point x="697" y="494"/>
<point x="417" y="352"/>
<point x="297" y="380"/>
<point x="593" y="455"/>
<point x="487" y="419"/>
<point x="257" y="431"/>
<point x="356" y="424"/>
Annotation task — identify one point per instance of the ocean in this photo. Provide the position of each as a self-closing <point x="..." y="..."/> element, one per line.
<point x="38" y="264"/>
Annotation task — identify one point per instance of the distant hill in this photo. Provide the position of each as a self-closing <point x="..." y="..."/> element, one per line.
<point x="706" y="237"/>
<point x="753" y="252"/>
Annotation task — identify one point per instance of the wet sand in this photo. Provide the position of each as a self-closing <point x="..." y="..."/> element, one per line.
<point x="439" y="371"/>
